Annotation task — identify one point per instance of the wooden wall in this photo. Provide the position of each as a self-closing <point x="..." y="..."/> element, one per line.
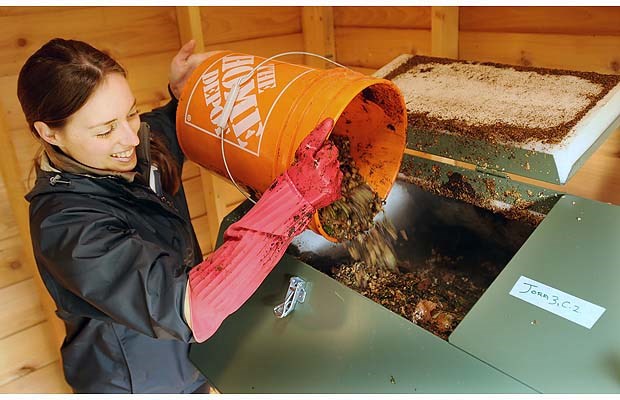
<point x="579" y="38"/>
<point x="364" y="38"/>
<point x="144" y="40"/>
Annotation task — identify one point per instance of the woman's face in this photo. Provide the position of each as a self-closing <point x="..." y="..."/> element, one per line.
<point x="104" y="132"/>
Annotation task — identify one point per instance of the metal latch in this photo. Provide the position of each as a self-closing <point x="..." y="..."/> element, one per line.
<point x="296" y="293"/>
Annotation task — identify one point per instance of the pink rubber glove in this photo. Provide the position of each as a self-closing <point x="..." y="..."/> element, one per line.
<point x="254" y="244"/>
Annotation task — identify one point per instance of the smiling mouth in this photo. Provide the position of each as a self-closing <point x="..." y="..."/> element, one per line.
<point x="124" y="154"/>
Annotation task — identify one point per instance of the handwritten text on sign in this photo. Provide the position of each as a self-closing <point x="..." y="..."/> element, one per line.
<point x="557" y="302"/>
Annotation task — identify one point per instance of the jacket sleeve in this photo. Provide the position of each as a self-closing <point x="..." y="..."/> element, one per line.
<point x="100" y="259"/>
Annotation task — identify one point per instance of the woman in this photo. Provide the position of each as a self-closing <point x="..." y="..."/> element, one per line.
<point x="111" y="230"/>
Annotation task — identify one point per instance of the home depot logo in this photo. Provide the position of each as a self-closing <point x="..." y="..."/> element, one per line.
<point x="246" y="124"/>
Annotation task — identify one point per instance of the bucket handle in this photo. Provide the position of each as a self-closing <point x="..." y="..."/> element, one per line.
<point x="232" y="97"/>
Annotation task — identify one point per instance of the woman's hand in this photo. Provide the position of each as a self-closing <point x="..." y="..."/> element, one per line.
<point x="182" y="66"/>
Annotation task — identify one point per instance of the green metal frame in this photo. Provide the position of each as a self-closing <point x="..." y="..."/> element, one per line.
<point x="499" y="157"/>
<point x="574" y="250"/>
<point x="488" y="187"/>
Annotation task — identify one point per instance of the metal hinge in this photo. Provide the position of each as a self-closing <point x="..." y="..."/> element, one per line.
<point x="296" y="293"/>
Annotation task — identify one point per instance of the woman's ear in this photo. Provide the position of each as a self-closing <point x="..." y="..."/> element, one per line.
<point x="46" y="133"/>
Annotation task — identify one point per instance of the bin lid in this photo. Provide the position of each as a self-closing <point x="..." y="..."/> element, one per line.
<point x="550" y="318"/>
<point x="536" y="122"/>
<point x="336" y="341"/>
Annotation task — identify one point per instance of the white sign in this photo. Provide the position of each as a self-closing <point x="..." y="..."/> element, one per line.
<point x="557" y="302"/>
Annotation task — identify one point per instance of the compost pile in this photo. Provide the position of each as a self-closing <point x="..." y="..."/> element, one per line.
<point x="434" y="295"/>
<point x="351" y="220"/>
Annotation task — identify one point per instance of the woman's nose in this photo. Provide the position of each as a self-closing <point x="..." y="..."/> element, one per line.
<point x="129" y="136"/>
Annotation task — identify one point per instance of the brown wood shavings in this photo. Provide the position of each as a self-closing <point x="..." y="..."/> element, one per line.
<point x="497" y="102"/>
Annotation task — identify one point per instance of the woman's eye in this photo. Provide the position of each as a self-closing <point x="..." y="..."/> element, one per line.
<point x="104" y="134"/>
<point x="134" y="114"/>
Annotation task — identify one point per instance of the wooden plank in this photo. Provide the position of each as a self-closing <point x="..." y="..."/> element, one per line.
<point x="25" y="149"/>
<point x="15" y="191"/>
<point x="203" y="234"/>
<point x="49" y="379"/>
<point x="8" y="226"/>
<point x="25" y="352"/>
<point x="190" y="170"/>
<point x="318" y="30"/>
<point x="195" y="196"/>
<point x="190" y="26"/>
<point x="583" y="53"/>
<point x="232" y="206"/>
<point x="204" y="197"/>
<point x="13" y="114"/>
<point x="373" y="48"/>
<point x="445" y="32"/>
<point x="214" y="206"/>
<point x="122" y="31"/>
<point x="561" y="20"/>
<point x="266" y="47"/>
<point x="383" y="17"/>
<point x="12" y="260"/>
<point x="222" y="25"/>
<point x="147" y="75"/>
<point x="20" y="11"/>
<point x="229" y="194"/>
<point x="20" y="308"/>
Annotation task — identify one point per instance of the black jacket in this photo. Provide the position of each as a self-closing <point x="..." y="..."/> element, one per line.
<point x="115" y="258"/>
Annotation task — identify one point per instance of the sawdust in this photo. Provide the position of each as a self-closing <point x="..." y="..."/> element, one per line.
<point x="497" y="103"/>
<point x="486" y="95"/>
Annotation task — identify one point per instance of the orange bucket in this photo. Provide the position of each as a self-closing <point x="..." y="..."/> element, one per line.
<point x="277" y="106"/>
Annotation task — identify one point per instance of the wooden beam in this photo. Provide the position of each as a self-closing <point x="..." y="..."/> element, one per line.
<point x="190" y="26"/>
<point x="445" y="32"/>
<point x="216" y="209"/>
<point x="188" y="19"/>
<point x="318" y="29"/>
<point x="16" y="190"/>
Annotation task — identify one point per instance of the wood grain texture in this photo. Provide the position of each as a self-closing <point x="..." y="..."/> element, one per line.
<point x="195" y="196"/>
<point x="190" y="26"/>
<point x="19" y="309"/>
<point x="122" y="31"/>
<point x="398" y="17"/>
<point x="559" y="20"/>
<point x="582" y="53"/>
<point x="15" y="191"/>
<point x="13" y="266"/>
<point x="48" y="379"/>
<point x="190" y="170"/>
<point x="445" y="32"/>
<point x="221" y="25"/>
<point x="203" y="234"/>
<point x="375" y="47"/>
<point x="318" y="33"/>
<point x="25" y="352"/>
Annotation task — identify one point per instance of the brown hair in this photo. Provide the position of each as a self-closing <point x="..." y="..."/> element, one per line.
<point x="58" y="79"/>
